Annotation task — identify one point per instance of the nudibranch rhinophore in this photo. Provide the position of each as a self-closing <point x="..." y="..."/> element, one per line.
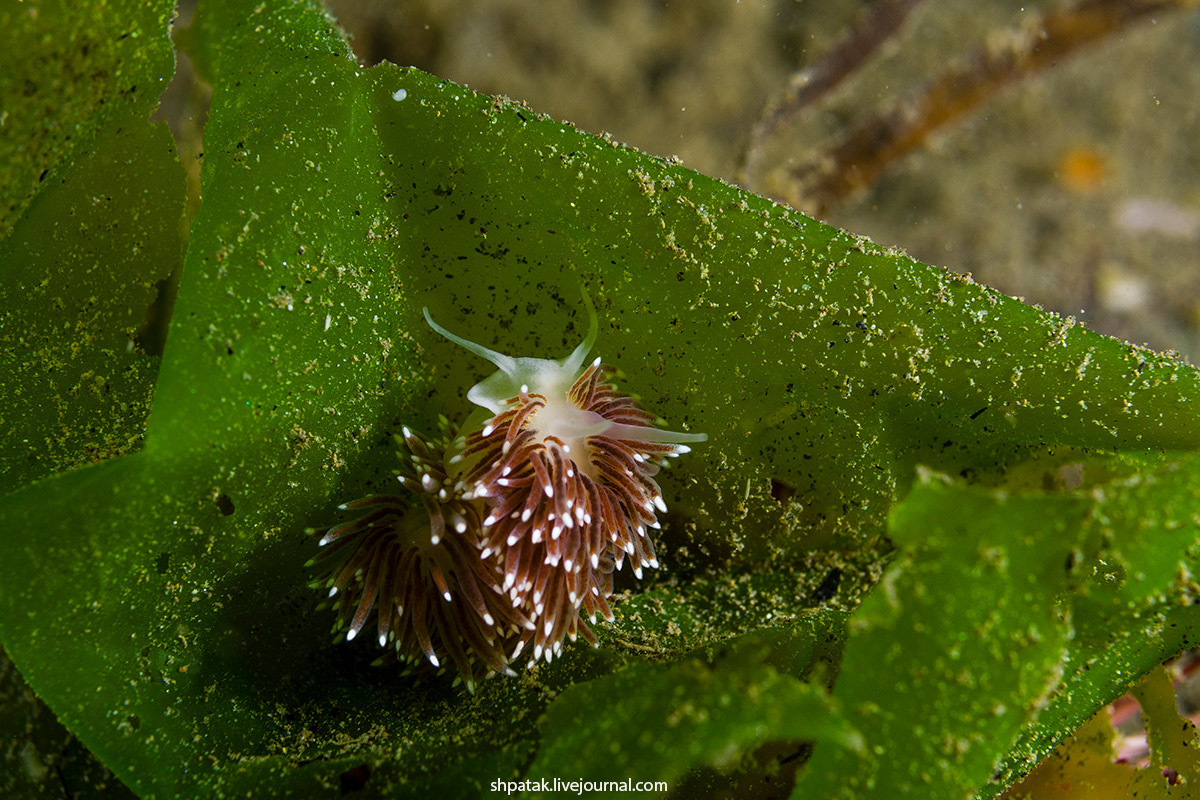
<point x="524" y="516"/>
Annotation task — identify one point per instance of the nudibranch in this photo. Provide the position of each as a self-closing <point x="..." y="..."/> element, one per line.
<point x="525" y="514"/>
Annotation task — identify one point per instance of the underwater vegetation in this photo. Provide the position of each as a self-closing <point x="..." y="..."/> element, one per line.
<point x="931" y="530"/>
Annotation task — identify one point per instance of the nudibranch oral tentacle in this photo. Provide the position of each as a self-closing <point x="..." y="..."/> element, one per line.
<point x="520" y="522"/>
<point x="543" y="375"/>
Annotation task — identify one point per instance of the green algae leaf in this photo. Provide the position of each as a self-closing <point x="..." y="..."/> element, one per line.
<point x="1084" y="766"/>
<point x="1007" y="621"/>
<point x="39" y="758"/>
<point x="163" y="609"/>
<point x="1143" y="546"/>
<point x="1095" y="674"/>
<point x="1133" y="599"/>
<point x="91" y="202"/>
<point x="654" y="723"/>
<point x="73" y="72"/>
<point x="80" y="269"/>
<point x="951" y="656"/>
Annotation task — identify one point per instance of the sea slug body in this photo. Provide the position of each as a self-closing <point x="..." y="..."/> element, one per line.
<point x="419" y="571"/>
<point x="525" y="514"/>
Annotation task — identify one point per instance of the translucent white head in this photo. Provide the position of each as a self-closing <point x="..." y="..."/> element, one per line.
<point x="545" y="376"/>
<point x="559" y="417"/>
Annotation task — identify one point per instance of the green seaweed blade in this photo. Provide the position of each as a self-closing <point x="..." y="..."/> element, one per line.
<point x="163" y="609"/>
